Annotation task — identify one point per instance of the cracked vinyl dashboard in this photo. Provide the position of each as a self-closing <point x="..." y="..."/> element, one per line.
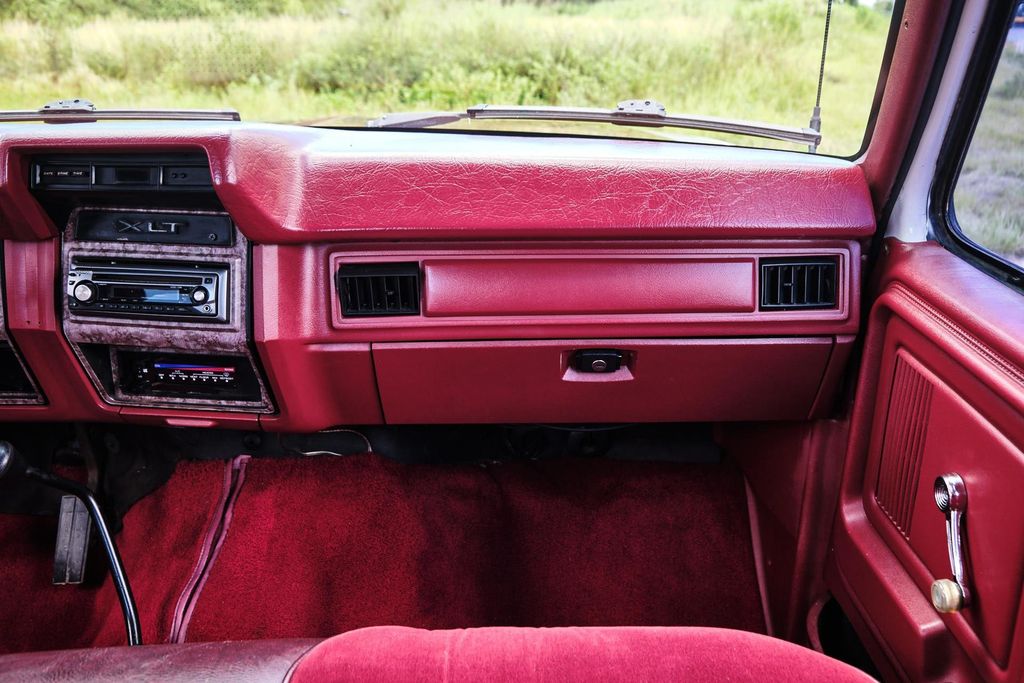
<point x="298" y="279"/>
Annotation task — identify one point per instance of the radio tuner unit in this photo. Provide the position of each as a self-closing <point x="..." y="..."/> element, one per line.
<point x="142" y="289"/>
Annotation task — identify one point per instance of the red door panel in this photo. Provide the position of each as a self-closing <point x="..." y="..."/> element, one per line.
<point x="941" y="390"/>
<point x="931" y="428"/>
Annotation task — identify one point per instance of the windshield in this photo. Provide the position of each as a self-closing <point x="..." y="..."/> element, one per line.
<point x="344" y="63"/>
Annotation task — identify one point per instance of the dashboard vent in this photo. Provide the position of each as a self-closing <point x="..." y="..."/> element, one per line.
<point x="379" y="289"/>
<point x="792" y="284"/>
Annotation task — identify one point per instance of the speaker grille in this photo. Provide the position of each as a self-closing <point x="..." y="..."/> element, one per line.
<point x="906" y="424"/>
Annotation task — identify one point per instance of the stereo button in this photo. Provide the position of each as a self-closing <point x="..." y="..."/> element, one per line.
<point x="200" y="295"/>
<point x="84" y="292"/>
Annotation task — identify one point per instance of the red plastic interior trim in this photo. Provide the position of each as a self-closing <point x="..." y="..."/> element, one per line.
<point x="917" y="44"/>
<point x="579" y="286"/>
<point x="661" y="380"/>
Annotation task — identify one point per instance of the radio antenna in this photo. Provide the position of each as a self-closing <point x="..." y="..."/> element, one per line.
<point x="816" y="114"/>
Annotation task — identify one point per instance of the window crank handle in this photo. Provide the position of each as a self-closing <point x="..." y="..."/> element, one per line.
<point x="951" y="595"/>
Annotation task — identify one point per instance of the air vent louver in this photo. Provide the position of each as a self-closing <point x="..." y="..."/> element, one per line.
<point x="379" y="289"/>
<point x="793" y="284"/>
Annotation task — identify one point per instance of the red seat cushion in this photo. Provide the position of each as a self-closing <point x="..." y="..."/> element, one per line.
<point x="564" y="655"/>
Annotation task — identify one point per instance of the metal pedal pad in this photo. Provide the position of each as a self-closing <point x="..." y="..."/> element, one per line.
<point x="73" y="531"/>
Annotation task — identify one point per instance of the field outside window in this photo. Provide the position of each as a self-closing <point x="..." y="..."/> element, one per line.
<point x="989" y="195"/>
<point x="346" y="61"/>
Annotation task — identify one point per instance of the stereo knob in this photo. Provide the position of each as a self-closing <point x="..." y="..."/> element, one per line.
<point x="200" y="295"/>
<point x="84" y="292"/>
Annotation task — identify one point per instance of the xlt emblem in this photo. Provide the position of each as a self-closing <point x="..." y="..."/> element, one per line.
<point x="125" y="225"/>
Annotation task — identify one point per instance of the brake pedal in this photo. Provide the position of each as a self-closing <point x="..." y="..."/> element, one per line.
<point x="74" y="527"/>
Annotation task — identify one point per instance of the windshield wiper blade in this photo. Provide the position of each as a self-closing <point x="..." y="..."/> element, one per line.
<point x="627" y="113"/>
<point x="84" y="111"/>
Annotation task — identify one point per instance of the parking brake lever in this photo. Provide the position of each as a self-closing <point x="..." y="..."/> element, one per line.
<point x="13" y="467"/>
<point x="951" y="595"/>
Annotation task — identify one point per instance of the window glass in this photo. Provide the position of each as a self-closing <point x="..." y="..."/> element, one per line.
<point x="344" y="62"/>
<point x="989" y="196"/>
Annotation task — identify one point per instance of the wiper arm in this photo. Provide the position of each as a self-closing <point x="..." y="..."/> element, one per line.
<point x="84" y="111"/>
<point x="627" y="113"/>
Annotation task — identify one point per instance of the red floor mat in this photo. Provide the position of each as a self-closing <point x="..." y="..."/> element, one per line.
<point x="34" y="615"/>
<point x="320" y="546"/>
<point x="159" y="543"/>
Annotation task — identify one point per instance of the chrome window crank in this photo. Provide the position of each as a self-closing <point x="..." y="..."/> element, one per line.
<point x="951" y="499"/>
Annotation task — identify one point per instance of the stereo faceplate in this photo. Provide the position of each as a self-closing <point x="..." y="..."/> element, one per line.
<point x="141" y="289"/>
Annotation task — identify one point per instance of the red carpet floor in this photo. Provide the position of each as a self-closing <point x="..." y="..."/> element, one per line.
<point x="323" y="545"/>
<point x="159" y="544"/>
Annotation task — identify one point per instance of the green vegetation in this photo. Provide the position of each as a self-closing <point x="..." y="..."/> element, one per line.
<point x="302" y="60"/>
<point x="989" y="196"/>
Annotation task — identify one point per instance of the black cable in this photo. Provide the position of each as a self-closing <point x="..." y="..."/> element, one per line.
<point x="117" y="573"/>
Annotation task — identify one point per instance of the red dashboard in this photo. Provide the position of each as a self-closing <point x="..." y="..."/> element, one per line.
<point x="523" y="254"/>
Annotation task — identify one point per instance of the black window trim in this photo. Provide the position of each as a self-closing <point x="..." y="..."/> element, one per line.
<point x="970" y="104"/>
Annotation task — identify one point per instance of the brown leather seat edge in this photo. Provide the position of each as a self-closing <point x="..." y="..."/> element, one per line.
<point x="252" y="661"/>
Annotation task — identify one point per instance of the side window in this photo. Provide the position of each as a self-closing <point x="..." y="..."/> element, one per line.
<point x="988" y="200"/>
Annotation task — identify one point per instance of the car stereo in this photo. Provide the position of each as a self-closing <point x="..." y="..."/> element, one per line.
<point x="135" y="288"/>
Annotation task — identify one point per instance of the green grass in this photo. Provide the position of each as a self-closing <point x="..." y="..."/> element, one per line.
<point x="989" y="196"/>
<point x="310" y="61"/>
